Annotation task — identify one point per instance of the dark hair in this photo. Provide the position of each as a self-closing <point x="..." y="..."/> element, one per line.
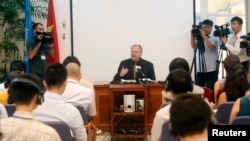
<point x="34" y="26"/>
<point x="238" y="19"/>
<point x="55" y="74"/>
<point x="71" y="59"/>
<point x="179" y="63"/>
<point x="23" y="88"/>
<point x="16" y="68"/>
<point x="207" y="22"/>
<point x="179" y="81"/>
<point x="189" y="114"/>
<point x="236" y="83"/>
<point x="230" y="60"/>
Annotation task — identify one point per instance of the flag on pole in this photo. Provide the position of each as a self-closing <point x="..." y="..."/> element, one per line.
<point x="51" y="27"/>
<point x="28" y="33"/>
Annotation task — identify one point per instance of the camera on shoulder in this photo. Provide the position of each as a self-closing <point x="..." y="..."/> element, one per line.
<point x="46" y="37"/>
<point x="244" y="44"/>
<point x="222" y="30"/>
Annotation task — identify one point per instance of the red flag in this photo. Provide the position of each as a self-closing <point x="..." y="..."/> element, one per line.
<point x="51" y="27"/>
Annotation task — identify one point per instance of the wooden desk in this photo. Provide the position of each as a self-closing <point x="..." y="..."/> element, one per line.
<point x="102" y="95"/>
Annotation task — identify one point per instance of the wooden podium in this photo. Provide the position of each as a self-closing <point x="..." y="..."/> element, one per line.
<point x="103" y="94"/>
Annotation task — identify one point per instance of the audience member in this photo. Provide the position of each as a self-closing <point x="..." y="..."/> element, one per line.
<point x="236" y="84"/>
<point x="55" y="107"/>
<point x="38" y="49"/>
<point x="177" y="82"/>
<point x="17" y="67"/>
<point x="73" y="59"/>
<point x="229" y="61"/>
<point x="241" y="107"/>
<point x="233" y="43"/>
<point x="206" y="54"/>
<point x="179" y="63"/>
<point x="135" y="68"/>
<point x="26" y="93"/>
<point x="3" y="112"/>
<point x="76" y="93"/>
<point x="189" y="118"/>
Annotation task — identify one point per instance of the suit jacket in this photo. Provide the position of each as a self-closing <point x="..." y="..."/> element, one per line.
<point x="147" y="70"/>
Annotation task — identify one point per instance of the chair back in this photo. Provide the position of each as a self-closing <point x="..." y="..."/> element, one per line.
<point x="223" y="112"/>
<point x="10" y="108"/>
<point x="82" y="112"/>
<point x="241" y="120"/>
<point x="165" y="133"/>
<point x="62" y="129"/>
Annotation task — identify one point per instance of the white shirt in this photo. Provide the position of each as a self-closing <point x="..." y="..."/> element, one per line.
<point x="161" y="116"/>
<point x="55" y="108"/>
<point x="2" y="88"/>
<point x="3" y="112"/>
<point x="76" y="93"/>
<point x="233" y="45"/>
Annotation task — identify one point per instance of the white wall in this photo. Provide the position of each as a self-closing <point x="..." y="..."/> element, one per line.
<point x="104" y="30"/>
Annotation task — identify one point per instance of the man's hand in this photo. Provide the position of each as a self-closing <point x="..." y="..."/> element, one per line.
<point x="123" y="72"/>
<point x="223" y="39"/>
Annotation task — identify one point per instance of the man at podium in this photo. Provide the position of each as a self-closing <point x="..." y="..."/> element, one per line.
<point x="135" y="68"/>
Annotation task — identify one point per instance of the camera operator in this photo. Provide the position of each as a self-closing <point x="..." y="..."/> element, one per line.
<point x="38" y="49"/>
<point x="233" y="43"/>
<point x="206" y="74"/>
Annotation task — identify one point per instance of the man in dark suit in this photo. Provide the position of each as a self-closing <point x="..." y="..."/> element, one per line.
<point x="135" y="68"/>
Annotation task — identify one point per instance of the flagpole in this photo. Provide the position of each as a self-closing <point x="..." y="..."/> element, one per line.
<point x="71" y="28"/>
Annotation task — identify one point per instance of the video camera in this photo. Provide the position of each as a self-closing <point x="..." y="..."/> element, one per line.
<point x="46" y="38"/>
<point x="244" y="44"/>
<point x="196" y="29"/>
<point x="222" y="30"/>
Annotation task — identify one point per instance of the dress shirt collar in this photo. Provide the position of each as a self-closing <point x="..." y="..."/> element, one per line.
<point x="72" y="81"/>
<point x="50" y="96"/>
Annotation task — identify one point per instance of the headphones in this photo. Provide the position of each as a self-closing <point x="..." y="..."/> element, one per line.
<point x="40" y="97"/>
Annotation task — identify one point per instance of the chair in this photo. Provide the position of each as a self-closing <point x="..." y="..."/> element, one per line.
<point x="241" y="120"/>
<point x="62" y="129"/>
<point x="165" y="133"/>
<point x="89" y="125"/>
<point x="10" y="108"/>
<point x="223" y="112"/>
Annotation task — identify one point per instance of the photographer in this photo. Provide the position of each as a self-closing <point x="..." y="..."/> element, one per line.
<point x="233" y="43"/>
<point x="38" y="49"/>
<point x="206" y="54"/>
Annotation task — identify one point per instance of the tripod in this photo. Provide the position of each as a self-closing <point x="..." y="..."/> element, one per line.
<point x="220" y="59"/>
<point x="201" y="49"/>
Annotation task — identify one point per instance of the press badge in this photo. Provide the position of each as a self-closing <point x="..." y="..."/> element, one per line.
<point x="43" y="57"/>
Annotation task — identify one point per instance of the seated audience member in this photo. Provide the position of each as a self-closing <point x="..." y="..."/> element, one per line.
<point x="179" y="63"/>
<point x="76" y="93"/>
<point x="17" y="67"/>
<point x="241" y="107"/>
<point x="73" y="59"/>
<point x="229" y="61"/>
<point x="55" y="107"/>
<point x="26" y="93"/>
<point x="177" y="82"/>
<point x="189" y="118"/>
<point x="135" y="67"/>
<point x="3" y="112"/>
<point x="236" y="84"/>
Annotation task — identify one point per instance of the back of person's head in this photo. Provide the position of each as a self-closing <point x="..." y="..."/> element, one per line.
<point x="236" y="83"/>
<point x="55" y="75"/>
<point x="238" y="19"/>
<point x="189" y="115"/>
<point x="17" y="67"/>
<point x="71" y="59"/>
<point x="207" y="22"/>
<point x="178" y="81"/>
<point x="230" y="60"/>
<point x="179" y="63"/>
<point x="73" y="70"/>
<point x="23" y="88"/>
<point x="34" y="26"/>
